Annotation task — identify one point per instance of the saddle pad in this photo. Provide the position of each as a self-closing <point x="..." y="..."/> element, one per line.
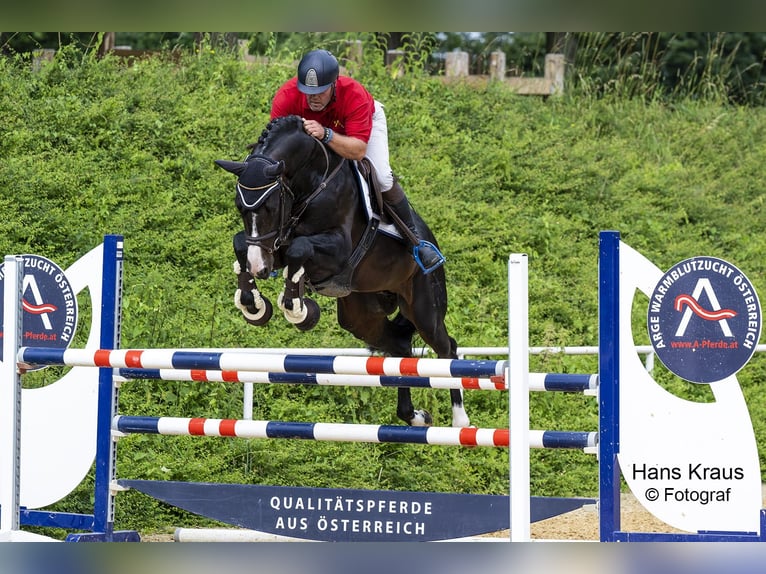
<point x="386" y="228"/>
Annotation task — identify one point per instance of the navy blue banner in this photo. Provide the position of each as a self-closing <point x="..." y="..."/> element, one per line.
<point x="349" y="515"/>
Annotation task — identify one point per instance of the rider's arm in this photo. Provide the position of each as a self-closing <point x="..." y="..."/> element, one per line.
<point x="345" y="146"/>
<point x="357" y="107"/>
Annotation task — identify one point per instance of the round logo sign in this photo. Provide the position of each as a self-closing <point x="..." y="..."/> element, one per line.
<point x="49" y="304"/>
<point x="704" y="319"/>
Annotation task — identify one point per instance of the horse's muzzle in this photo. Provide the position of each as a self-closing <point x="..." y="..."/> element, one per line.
<point x="262" y="273"/>
<point x="259" y="262"/>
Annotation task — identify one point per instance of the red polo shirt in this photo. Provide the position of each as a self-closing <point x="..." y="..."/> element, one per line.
<point x="349" y="112"/>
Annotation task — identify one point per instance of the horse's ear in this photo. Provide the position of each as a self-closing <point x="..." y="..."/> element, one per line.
<point x="274" y="169"/>
<point x="235" y="167"/>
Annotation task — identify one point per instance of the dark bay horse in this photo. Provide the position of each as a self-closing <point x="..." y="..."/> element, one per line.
<point x="303" y="212"/>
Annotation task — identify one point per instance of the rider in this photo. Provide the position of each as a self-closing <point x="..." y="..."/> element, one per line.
<point x="342" y="114"/>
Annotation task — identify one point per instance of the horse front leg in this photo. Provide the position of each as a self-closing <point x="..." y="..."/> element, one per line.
<point x="255" y="308"/>
<point x="297" y="309"/>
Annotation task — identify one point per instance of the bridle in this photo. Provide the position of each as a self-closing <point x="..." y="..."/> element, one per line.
<point x="288" y="218"/>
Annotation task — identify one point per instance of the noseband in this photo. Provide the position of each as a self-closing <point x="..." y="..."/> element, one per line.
<point x="279" y="235"/>
<point x="287" y="221"/>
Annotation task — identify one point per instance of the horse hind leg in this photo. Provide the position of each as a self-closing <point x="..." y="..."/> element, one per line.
<point x="432" y="329"/>
<point x="407" y="412"/>
<point x="421" y="417"/>
<point x="398" y="333"/>
<point x="397" y="341"/>
<point x="366" y="317"/>
<point x="459" y="415"/>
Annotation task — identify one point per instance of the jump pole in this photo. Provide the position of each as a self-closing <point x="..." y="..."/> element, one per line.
<point x="561" y="382"/>
<point x="112" y="357"/>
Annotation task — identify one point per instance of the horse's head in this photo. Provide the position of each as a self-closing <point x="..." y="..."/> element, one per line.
<point x="259" y="199"/>
<point x="284" y="168"/>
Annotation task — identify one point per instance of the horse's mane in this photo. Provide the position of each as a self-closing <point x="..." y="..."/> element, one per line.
<point x="275" y="126"/>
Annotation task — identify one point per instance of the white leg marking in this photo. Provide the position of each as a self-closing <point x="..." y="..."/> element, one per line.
<point x="419" y="419"/>
<point x="460" y="417"/>
<point x="296" y="277"/>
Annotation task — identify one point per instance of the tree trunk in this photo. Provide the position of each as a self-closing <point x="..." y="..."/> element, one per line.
<point x="393" y="41"/>
<point x="562" y="43"/>
<point x="107" y="44"/>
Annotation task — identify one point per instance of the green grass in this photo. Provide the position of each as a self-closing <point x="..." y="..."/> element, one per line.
<point x="92" y="147"/>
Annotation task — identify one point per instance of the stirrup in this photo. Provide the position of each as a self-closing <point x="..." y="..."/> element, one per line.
<point x="416" y="256"/>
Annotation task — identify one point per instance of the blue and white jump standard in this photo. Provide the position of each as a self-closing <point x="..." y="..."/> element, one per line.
<point x="672" y="453"/>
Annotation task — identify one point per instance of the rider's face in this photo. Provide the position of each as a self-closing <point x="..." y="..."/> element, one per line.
<point x="318" y="102"/>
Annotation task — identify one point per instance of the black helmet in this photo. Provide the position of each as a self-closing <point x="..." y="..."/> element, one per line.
<point x="317" y="71"/>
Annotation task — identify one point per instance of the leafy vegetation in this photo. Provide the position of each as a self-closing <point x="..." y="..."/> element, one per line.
<point x="92" y="147"/>
<point x="636" y="64"/>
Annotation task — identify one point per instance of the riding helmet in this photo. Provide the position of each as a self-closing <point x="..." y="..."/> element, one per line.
<point x="317" y="71"/>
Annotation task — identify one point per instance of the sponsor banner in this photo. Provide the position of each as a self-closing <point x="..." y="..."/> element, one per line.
<point x="349" y="515"/>
<point x="49" y="304"/>
<point x="704" y="319"/>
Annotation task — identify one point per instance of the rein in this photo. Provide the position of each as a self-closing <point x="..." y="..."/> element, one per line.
<point x="287" y="225"/>
<point x="323" y="184"/>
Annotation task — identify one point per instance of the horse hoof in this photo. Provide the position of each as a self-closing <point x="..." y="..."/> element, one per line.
<point x="461" y="420"/>
<point x="263" y="316"/>
<point x="245" y="302"/>
<point x="421" y="418"/>
<point x="312" y="315"/>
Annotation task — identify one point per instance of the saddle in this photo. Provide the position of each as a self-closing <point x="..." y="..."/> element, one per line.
<point x="376" y="206"/>
<point x="379" y="218"/>
<point x="366" y="172"/>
